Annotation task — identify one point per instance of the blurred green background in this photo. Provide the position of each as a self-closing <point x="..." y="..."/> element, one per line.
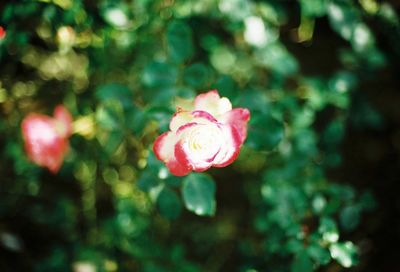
<point x="315" y="187"/>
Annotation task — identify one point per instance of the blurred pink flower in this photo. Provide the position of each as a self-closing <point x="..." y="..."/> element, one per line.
<point x="209" y="134"/>
<point x="2" y="33"/>
<point x="46" y="138"/>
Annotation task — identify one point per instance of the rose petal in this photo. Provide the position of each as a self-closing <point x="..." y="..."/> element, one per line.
<point x="181" y="118"/>
<point x="164" y="146"/>
<point x="164" y="150"/>
<point x="204" y="115"/>
<point x="237" y="117"/>
<point x="199" y="145"/>
<point x="43" y="143"/>
<point x="184" y="159"/>
<point x="177" y="168"/>
<point x="211" y="102"/>
<point x="230" y="150"/>
<point x="185" y="127"/>
<point x="183" y="104"/>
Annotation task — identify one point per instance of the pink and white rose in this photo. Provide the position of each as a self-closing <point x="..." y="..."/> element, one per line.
<point x="209" y="134"/>
<point x="46" y="138"/>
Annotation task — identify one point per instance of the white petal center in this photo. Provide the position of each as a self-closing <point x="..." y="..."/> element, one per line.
<point x="203" y="141"/>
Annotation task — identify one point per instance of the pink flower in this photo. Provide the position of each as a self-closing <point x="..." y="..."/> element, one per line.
<point x="209" y="134"/>
<point x="2" y="33"/>
<point x="46" y="138"/>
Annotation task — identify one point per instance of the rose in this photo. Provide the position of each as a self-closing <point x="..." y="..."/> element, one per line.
<point x="2" y="33"/>
<point x="208" y="133"/>
<point x="46" y="138"/>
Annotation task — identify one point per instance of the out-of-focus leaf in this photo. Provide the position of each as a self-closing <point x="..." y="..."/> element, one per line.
<point x="162" y="96"/>
<point x="346" y="20"/>
<point x="319" y="254"/>
<point x="302" y="263"/>
<point x="328" y="230"/>
<point x="227" y="87"/>
<point x="160" y="114"/>
<point x="350" y="217"/>
<point x="223" y="59"/>
<point x="196" y="75"/>
<point x="255" y="100"/>
<point x="313" y="7"/>
<point x="275" y="56"/>
<point x="265" y="132"/>
<point x="169" y="203"/>
<point x="159" y="74"/>
<point x="148" y="180"/>
<point x="115" y="91"/>
<point x="135" y="120"/>
<point x="110" y="115"/>
<point x="318" y="204"/>
<point x="116" y="16"/>
<point x="343" y="18"/>
<point x="344" y="253"/>
<point x="179" y="38"/>
<point x="334" y="132"/>
<point x="236" y="10"/>
<point x="198" y="192"/>
<point x="110" y="140"/>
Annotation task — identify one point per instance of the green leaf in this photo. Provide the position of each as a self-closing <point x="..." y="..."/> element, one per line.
<point x="319" y="254"/>
<point x="159" y="74"/>
<point x="226" y="86"/>
<point x="115" y="91"/>
<point x="185" y="92"/>
<point x="318" y="204"/>
<point x="110" y="115"/>
<point x="160" y="114"/>
<point x="116" y="16"/>
<point x="333" y="133"/>
<point x="265" y="132"/>
<point x="135" y="120"/>
<point x="235" y="10"/>
<point x="223" y="59"/>
<point x="148" y="180"/>
<point x="110" y="140"/>
<point x="173" y="181"/>
<point x="196" y="75"/>
<point x="350" y="217"/>
<point x="302" y="263"/>
<point x="344" y="253"/>
<point x="255" y="100"/>
<point x="169" y="204"/>
<point x="277" y="58"/>
<point x="343" y="18"/>
<point x="315" y="8"/>
<point x="179" y="39"/>
<point x="329" y="230"/>
<point x="199" y="194"/>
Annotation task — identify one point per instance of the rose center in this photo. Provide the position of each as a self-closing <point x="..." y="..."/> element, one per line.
<point x="204" y="142"/>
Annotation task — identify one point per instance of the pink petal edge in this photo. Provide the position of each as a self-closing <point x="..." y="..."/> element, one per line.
<point x="182" y="157"/>
<point x="232" y="147"/>
<point x="163" y="148"/>
<point x="237" y="117"/>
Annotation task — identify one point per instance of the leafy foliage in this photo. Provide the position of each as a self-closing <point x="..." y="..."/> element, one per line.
<point x="120" y="67"/>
